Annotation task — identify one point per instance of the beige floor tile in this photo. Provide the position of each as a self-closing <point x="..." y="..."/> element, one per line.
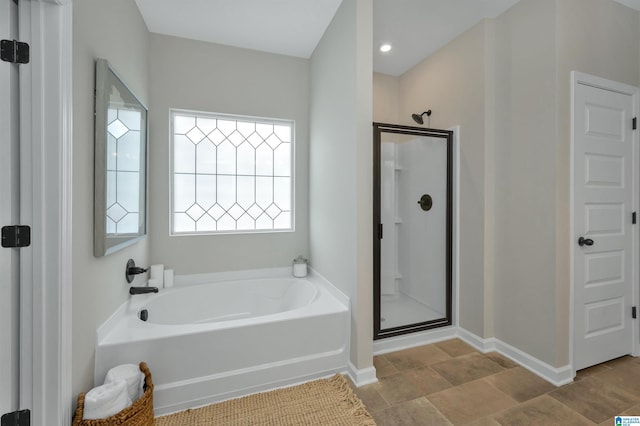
<point x="371" y="398"/>
<point x="416" y="412"/>
<point x="501" y="360"/>
<point x="485" y="421"/>
<point x="451" y="382"/>
<point x="397" y="388"/>
<point x="624" y="374"/>
<point x="594" y="399"/>
<point x="383" y="366"/>
<point x="520" y="384"/>
<point x="471" y="401"/>
<point x="543" y="410"/>
<point x="633" y="411"/>
<point x="416" y="357"/>
<point x="466" y="368"/>
<point x="455" y="347"/>
<point x="426" y="380"/>
<point x="620" y="361"/>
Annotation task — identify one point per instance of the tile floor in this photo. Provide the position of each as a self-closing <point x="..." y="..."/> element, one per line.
<point x="450" y="383"/>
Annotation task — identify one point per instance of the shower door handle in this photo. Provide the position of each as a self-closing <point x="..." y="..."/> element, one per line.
<point x="582" y="241"/>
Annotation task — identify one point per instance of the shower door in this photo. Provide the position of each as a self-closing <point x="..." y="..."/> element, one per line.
<point x="412" y="229"/>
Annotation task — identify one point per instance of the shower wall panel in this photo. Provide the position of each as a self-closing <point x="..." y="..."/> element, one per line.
<point x="422" y="234"/>
<point x="388" y="211"/>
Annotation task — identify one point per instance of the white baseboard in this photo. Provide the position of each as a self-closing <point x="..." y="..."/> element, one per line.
<point x="557" y="376"/>
<point x="361" y="377"/>
<point x="481" y="344"/>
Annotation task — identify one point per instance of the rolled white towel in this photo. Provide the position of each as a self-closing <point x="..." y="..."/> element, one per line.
<point x="106" y="400"/>
<point x="132" y="375"/>
<point x="157" y="273"/>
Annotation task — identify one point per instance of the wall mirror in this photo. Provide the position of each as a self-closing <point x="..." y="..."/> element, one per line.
<point x="120" y="163"/>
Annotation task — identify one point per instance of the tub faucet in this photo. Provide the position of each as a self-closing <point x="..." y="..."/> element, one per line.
<point x="142" y="290"/>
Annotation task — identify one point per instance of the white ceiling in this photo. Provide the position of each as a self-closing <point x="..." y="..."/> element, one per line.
<point x="415" y="28"/>
<point x="287" y="27"/>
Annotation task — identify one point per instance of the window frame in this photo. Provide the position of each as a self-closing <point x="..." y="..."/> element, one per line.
<point x="233" y="117"/>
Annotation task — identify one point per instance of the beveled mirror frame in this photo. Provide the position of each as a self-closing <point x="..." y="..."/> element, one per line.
<point x="119" y="210"/>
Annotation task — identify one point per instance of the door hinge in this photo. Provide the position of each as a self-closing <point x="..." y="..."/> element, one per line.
<point x="634" y="313"/>
<point x="17" y="418"/>
<point x="16" y="52"/>
<point x="634" y="123"/>
<point x="380" y="231"/>
<point x="16" y="236"/>
<point x="633" y="218"/>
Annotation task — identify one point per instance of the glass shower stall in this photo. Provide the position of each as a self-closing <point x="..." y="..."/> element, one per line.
<point x="412" y="229"/>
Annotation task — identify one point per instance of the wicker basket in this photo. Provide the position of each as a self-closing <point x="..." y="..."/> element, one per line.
<point x="139" y="414"/>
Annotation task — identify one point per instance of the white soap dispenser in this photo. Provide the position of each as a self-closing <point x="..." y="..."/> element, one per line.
<point x="300" y="267"/>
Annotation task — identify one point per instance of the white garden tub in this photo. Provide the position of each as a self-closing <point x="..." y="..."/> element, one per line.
<point x="206" y="342"/>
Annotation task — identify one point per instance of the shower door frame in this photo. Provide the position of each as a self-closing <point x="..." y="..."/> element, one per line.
<point x="447" y="135"/>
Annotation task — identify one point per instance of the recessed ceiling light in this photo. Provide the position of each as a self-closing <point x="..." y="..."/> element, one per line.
<point x="385" y="47"/>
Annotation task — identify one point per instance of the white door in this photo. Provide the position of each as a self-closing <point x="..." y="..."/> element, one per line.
<point x="604" y="166"/>
<point x="9" y="158"/>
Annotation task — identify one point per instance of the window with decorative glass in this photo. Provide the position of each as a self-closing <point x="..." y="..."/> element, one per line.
<point x="231" y="174"/>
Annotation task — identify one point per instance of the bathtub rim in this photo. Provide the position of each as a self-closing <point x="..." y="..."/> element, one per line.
<point x="120" y="314"/>
<point x="313" y="293"/>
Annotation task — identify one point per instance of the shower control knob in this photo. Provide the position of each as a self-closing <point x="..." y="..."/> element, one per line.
<point x="426" y="202"/>
<point x="132" y="270"/>
<point x="582" y="241"/>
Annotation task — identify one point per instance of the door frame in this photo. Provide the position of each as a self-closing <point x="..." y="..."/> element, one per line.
<point x="601" y="83"/>
<point x="46" y="110"/>
<point x="9" y="193"/>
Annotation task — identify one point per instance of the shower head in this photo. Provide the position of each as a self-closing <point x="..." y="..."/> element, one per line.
<point x="418" y="117"/>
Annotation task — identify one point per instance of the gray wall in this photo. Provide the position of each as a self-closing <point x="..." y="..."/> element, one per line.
<point x="340" y="170"/>
<point x="113" y="30"/>
<point x="386" y="98"/>
<point x="194" y="75"/>
<point x="538" y="44"/>
<point x="451" y="83"/>
<point x="525" y="179"/>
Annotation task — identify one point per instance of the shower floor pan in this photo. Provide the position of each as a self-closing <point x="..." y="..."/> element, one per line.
<point x="400" y="309"/>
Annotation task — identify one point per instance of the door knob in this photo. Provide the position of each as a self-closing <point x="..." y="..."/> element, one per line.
<point x="582" y="241"/>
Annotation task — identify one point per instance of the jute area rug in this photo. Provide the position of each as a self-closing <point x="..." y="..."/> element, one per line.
<point x="321" y="402"/>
